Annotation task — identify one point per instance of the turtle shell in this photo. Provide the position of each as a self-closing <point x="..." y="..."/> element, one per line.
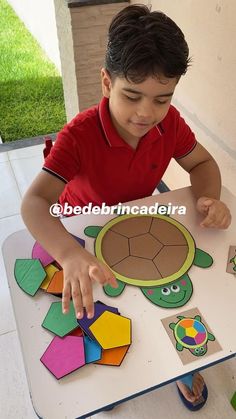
<point x="145" y="250"/>
<point x="190" y="333"/>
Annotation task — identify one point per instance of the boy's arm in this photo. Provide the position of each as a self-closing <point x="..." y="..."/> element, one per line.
<point x="206" y="184"/>
<point x="79" y="266"/>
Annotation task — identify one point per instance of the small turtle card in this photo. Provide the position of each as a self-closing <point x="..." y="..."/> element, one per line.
<point x="231" y="261"/>
<point x="191" y="335"/>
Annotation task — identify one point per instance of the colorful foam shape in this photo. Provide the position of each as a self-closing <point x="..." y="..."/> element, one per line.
<point x="50" y="271"/>
<point x="38" y="252"/>
<point x="111" y="330"/>
<point x="233" y="401"/>
<point x="99" y="308"/>
<point x="77" y="332"/>
<point x="64" y="355"/>
<point x="29" y="275"/>
<point x="57" y="322"/>
<point x="113" y="356"/>
<point x="93" y="351"/>
<point x="56" y="284"/>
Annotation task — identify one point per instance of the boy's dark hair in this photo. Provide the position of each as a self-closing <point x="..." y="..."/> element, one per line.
<point x="142" y="43"/>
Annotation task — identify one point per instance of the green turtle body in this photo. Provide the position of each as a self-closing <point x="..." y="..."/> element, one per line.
<point x="153" y="253"/>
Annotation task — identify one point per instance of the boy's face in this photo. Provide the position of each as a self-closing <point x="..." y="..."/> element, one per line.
<point x="136" y="108"/>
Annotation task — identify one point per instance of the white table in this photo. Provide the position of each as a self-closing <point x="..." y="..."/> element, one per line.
<point x="152" y="361"/>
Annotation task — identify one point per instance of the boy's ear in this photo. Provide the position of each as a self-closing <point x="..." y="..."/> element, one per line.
<point x="106" y="82"/>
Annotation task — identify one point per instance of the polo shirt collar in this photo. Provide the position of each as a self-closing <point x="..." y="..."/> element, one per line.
<point x="111" y="134"/>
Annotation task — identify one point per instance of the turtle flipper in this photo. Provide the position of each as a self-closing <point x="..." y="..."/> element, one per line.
<point x="172" y="326"/>
<point x="202" y="259"/>
<point x="114" y="292"/>
<point x="92" y="231"/>
<point x="198" y="318"/>
<point x="211" y="336"/>
<point x="179" y="347"/>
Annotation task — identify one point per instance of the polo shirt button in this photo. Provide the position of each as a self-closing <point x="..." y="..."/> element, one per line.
<point x="153" y="166"/>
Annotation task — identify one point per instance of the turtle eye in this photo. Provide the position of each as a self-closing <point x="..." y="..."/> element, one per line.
<point x="175" y="288"/>
<point x="165" y="291"/>
<point x="202" y="350"/>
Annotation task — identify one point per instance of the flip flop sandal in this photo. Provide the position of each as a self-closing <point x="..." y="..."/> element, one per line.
<point x="196" y="405"/>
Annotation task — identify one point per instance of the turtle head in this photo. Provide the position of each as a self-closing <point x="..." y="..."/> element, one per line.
<point x="175" y="294"/>
<point x="199" y="351"/>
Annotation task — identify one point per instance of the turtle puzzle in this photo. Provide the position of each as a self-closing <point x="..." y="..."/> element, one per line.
<point x="190" y="335"/>
<point x="153" y="253"/>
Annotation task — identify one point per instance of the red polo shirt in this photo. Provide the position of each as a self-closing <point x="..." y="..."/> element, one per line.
<point x="98" y="166"/>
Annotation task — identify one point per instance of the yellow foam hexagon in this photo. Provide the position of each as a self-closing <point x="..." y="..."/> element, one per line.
<point x="190" y="331"/>
<point x="111" y="330"/>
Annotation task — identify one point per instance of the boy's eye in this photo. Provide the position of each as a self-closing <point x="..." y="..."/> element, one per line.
<point x="132" y="98"/>
<point x="161" y="103"/>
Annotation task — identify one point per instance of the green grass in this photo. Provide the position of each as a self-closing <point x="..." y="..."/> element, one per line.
<point x="31" y="93"/>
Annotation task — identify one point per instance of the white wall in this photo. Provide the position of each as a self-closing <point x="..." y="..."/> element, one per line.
<point x="39" y="17"/>
<point x="206" y="95"/>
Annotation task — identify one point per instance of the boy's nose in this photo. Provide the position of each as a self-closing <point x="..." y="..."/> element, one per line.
<point x="145" y="112"/>
<point x="144" y="115"/>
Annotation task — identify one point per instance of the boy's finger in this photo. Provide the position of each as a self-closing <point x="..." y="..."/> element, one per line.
<point x="66" y="294"/>
<point x="97" y="274"/>
<point x="113" y="282"/>
<point x="87" y="296"/>
<point x="208" y="222"/>
<point x="204" y="204"/>
<point x="77" y="300"/>
<point x="225" y="222"/>
<point x="109" y="276"/>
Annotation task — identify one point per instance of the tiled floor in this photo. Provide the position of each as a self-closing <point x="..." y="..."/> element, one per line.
<point x="17" y="169"/>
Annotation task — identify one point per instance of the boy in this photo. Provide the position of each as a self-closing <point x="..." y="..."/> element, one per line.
<point x="118" y="151"/>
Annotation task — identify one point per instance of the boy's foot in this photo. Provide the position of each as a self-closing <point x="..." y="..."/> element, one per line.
<point x="196" y="398"/>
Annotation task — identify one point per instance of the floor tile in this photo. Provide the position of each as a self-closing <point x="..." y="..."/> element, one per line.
<point x="3" y="157"/>
<point x="7" y="322"/>
<point x="26" y="152"/>
<point x="9" y="192"/>
<point x="15" y="400"/>
<point x="26" y="169"/>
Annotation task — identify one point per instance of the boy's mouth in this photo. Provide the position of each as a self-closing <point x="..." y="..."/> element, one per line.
<point x="141" y="124"/>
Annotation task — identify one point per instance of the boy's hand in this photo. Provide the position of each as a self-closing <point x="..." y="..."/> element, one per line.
<point x="217" y="214"/>
<point x="80" y="269"/>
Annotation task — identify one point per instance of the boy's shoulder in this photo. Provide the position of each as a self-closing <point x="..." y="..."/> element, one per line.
<point x="84" y="120"/>
<point x="172" y="117"/>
